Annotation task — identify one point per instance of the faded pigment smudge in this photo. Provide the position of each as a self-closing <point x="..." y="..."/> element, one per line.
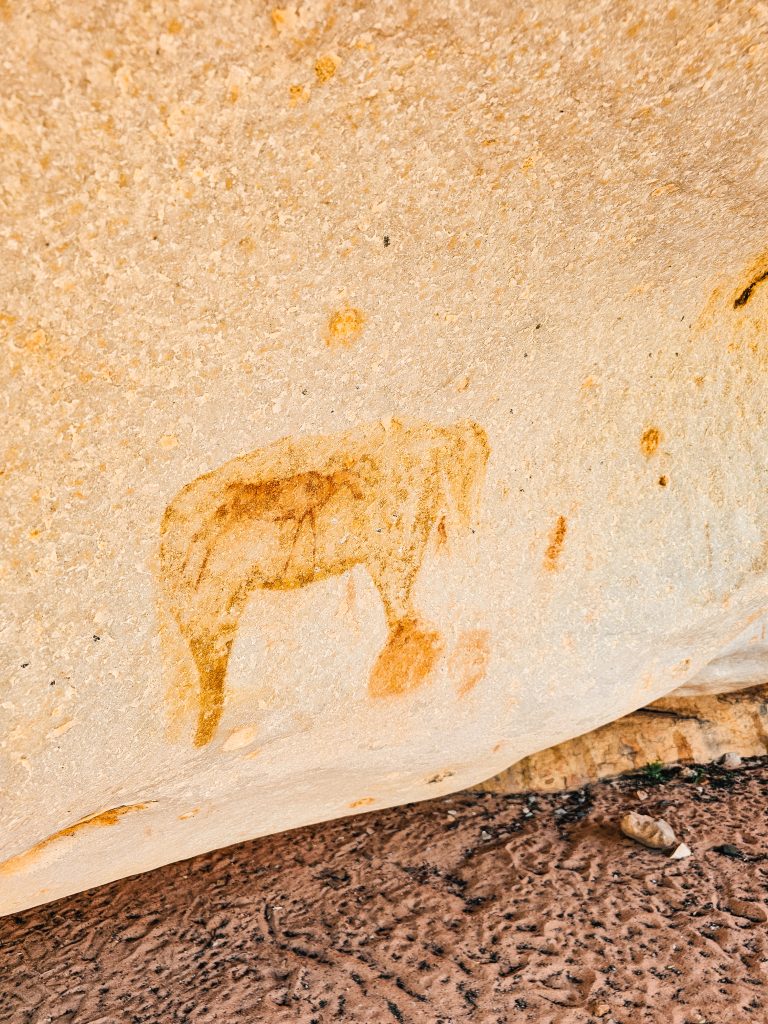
<point x="102" y="818"/>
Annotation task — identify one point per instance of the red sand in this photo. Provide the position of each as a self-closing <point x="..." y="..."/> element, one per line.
<point x="471" y="908"/>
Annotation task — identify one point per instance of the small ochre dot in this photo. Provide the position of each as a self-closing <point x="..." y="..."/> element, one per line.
<point x="345" y="326"/>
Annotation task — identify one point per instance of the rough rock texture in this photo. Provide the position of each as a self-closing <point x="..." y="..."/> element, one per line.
<point x="383" y="402"/>
<point x="688" y="729"/>
<point x="476" y="908"/>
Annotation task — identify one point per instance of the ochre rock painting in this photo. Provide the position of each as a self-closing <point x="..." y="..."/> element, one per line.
<point x="305" y="509"/>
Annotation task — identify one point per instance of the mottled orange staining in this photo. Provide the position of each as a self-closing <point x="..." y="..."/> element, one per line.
<point x="650" y="441"/>
<point x="344" y="327"/>
<point x="364" y="801"/>
<point x="407" y="661"/>
<point x="298" y="94"/>
<point x="325" y="67"/>
<point x="304" y="510"/>
<point x="283" y="18"/>
<point x="555" y="546"/>
<point x="109" y="817"/>
<point x="684" y="749"/>
<point x="469" y="660"/>
<point x="36" y="341"/>
<point x="174" y="26"/>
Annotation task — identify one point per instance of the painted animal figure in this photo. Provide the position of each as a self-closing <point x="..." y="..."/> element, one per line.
<point x="302" y="510"/>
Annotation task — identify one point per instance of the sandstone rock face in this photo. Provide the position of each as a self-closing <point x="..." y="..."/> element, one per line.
<point x="673" y="729"/>
<point x="383" y="402"/>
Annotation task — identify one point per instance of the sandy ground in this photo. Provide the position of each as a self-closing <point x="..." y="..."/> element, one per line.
<point x="475" y="907"/>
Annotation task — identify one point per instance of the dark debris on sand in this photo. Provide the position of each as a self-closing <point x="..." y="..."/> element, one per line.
<point x="476" y="907"/>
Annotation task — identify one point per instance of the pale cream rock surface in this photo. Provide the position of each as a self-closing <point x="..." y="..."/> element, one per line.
<point x="477" y="296"/>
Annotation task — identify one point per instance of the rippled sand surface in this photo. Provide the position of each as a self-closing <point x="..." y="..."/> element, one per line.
<point x="476" y="907"/>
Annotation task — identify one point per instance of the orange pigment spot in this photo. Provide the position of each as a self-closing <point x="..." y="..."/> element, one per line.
<point x="650" y="441"/>
<point x="344" y="327"/>
<point x="283" y="18"/>
<point x="364" y="801"/>
<point x="325" y="67"/>
<point x="298" y="94"/>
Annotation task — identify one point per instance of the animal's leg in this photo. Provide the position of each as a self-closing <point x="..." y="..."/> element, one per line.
<point x="413" y="647"/>
<point x="211" y="658"/>
<point x="407" y="660"/>
<point x="299" y="566"/>
<point x="292" y="545"/>
<point x="210" y="635"/>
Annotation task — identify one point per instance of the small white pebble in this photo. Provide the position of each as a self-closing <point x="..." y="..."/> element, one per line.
<point x="680" y="852"/>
